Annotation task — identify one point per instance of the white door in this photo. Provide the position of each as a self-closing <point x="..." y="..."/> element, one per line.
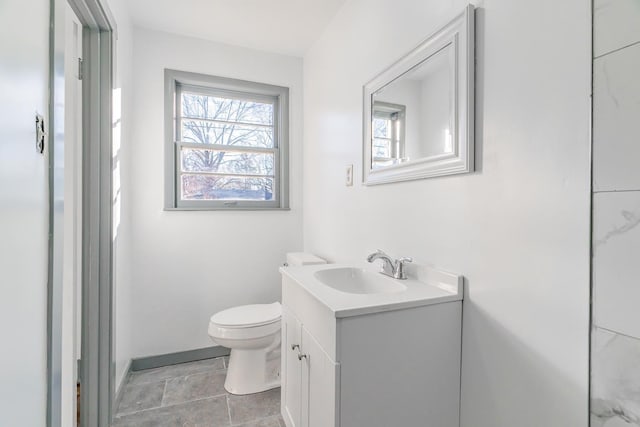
<point x="291" y="370"/>
<point x="24" y="213"/>
<point x="320" y="381"/>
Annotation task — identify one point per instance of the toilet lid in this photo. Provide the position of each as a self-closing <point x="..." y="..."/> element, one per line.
<point x="246" y="316"/>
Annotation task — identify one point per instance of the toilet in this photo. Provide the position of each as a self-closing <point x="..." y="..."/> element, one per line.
<point x="252" y="332"/>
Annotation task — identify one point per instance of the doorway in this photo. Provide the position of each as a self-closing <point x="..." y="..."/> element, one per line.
<point x="72" y="239"/>
<point x="80" y="289"/>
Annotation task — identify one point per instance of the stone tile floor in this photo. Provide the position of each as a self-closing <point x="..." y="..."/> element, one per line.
<point x="192" y="395"/>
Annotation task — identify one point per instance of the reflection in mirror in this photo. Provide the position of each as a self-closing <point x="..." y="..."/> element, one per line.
<point x="388" y="130"/>
<point x="419" y="112"/>
<point x="411" y="116"/>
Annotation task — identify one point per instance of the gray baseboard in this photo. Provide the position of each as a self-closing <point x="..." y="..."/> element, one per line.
<point x="158" y="361"/>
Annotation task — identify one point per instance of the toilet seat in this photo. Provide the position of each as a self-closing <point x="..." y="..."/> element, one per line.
<point x="248" y="316"/>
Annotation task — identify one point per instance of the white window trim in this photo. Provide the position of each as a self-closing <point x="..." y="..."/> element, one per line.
<point x="173" y="78"/>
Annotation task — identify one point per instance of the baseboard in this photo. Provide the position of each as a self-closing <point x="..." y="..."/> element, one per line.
<point x="149" y="362"/>
<point x="118" y="396"/>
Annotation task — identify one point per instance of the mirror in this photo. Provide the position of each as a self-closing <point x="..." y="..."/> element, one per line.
<point x="418" y="113"/>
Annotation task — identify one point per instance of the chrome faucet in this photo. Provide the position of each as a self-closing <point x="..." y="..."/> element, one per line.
<point x="390" y="267"/>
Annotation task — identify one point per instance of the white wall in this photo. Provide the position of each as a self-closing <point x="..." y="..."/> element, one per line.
<point x="23" y="212"/>
<point x="518" y="228"/>
<point x="186" y="265"/>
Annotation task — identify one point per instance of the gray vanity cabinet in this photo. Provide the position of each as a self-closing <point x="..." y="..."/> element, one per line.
<point x="372" y="367"/>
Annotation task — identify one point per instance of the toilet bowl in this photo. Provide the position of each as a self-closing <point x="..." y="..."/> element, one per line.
<point x="252" y="332"/>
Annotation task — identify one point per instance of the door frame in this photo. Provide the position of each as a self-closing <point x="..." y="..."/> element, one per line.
<point x="95" y="372"/>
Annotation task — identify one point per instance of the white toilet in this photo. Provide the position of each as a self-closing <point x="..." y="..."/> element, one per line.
<point x="252" y="332"/>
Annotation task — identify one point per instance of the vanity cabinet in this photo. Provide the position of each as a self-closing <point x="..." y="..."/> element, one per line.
<point x="376" y="367"/>
<point x="309" y="377"/>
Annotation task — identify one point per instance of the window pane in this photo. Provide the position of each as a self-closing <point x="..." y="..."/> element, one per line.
<point x="381" y="128"/>
<point x="206" y="132"/>
<point x="228" y="109"/>
<point x="207" y="187"/>
<point x="227" y="162"/>
<point x="381" y="148"/>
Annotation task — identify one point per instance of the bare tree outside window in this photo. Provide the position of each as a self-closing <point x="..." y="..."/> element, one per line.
<point x="240" y="162"/>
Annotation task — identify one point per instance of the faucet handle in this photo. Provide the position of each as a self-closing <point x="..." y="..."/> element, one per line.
<point x="399" y="268"/>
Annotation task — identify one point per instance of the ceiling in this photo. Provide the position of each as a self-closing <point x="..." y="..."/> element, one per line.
<point x="282" y="26"/>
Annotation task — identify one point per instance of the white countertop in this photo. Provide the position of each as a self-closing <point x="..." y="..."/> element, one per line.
<point x="424" y="286"/>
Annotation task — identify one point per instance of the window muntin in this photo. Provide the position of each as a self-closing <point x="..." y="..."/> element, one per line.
<point x="227" y="146"/>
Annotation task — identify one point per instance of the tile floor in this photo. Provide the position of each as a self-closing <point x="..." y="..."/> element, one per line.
<point x="192" y="395"/>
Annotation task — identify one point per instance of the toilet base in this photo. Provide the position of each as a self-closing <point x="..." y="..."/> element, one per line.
<point x="253" y="371"/>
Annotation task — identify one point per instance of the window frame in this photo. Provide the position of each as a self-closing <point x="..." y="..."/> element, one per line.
<point x="177" y="81"/>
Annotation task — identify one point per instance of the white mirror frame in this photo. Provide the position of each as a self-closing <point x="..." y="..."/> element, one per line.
<point x="461" y="35"/>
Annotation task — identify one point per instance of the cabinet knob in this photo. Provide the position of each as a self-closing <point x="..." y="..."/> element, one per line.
<point x="294" y="346"/>
<point x="301" y="356"/>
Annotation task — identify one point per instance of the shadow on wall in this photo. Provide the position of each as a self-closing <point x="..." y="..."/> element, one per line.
<point x="493" y="355"/>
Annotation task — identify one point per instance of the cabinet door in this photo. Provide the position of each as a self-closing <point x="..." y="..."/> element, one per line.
<point x="291" y="370"/>
<point x="320" y="378"/>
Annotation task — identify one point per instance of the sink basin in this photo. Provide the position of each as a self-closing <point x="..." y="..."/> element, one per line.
<point x="358" y="281"/>
<point x="347" y="290"/>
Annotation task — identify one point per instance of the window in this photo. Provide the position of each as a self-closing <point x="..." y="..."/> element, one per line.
<point x="387" y="124"/>
<point x="226" y="143"/>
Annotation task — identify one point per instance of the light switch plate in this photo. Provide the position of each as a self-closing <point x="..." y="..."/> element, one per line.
<point x="349" y="176"/>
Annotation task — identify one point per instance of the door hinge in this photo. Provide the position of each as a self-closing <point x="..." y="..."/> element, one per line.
<point x="41" y="134"/>
<point x="79" y="370"/>
<point x="80" y="69"/>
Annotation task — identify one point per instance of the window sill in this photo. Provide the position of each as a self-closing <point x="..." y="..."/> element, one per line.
<point x="222" y="209"/>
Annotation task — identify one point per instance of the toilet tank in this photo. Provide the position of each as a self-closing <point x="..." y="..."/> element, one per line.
<point x="296" y="259"/>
